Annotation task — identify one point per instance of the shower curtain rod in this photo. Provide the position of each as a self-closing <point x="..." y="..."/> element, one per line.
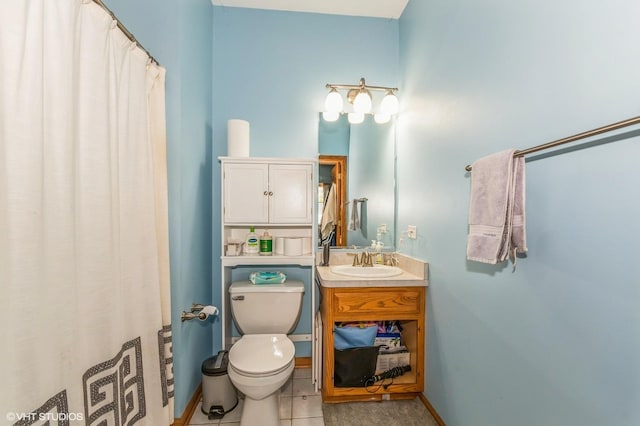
<point x="583" y="135"/>
<point x="124" y="30"/>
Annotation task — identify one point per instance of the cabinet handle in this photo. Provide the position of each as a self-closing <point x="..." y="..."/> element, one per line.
<point x="270" y="193"/>
<point x="237" y="297"/>
<point x="266" y="193"/>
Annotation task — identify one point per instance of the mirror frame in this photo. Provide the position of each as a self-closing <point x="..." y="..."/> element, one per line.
<point x="339" y="173"/>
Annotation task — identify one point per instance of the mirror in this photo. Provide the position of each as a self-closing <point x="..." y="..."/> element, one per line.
<point x="358" y="160"/>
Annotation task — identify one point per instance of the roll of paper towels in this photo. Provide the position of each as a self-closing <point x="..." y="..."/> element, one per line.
<point x="306" y="245"/>
<point x="237" y="138"/>
<point x="293" y="246"/>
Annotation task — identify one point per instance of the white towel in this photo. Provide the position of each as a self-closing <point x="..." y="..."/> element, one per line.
<point x="354" y="222"/>
<point x="518" y="223"/>
<point x="497" y="208"/>
<point x="328" y="223"/>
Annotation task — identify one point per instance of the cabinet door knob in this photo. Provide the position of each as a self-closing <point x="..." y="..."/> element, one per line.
<point x="266" y="193"/>
<point x="270" y="192"/>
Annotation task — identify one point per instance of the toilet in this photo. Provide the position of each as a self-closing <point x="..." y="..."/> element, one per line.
<point x="262" y="360"/>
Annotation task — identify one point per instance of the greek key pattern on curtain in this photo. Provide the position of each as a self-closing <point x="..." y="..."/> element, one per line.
<point x="114" y="389"/>
<point x="52" y="408"/>
<point x="166" y="363"/>
<point x="84" y="253"/>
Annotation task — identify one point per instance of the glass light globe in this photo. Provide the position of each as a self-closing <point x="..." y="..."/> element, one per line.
<point x="355" y="117"/>
<point x="330" y="115"/>
<point x="389" y="104"/>
<point x="362" y="103"/>
<point x="333" y="102"/>
<point x="381" y="118"/>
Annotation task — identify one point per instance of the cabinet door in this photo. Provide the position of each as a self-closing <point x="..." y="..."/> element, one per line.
<point x="291" y="195"/>
<point x="246" y="193"/>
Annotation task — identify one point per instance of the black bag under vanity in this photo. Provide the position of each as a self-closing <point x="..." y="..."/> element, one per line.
<point x="353" y="366"/>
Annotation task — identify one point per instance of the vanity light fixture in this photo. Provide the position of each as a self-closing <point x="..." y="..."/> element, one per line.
<point x="334" y="102"/>
<point x="355" y="117"/>
<point x="382" y="118"/>
<point x="362" y="102"/>
<point x="390" y="104"/>
<point x="330" y="115"/>
<point x="360" y="97"/>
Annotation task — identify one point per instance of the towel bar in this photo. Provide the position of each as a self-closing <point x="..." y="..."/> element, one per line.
<point x="583" y="135"/>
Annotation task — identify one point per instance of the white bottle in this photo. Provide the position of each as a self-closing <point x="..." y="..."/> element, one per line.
<point x="252" y="246"/>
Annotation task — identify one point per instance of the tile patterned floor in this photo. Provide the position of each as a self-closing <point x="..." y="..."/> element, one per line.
<point x="299" y="405"/>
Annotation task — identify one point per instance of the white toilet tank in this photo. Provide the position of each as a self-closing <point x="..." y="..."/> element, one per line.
<point x="266" y="308"/>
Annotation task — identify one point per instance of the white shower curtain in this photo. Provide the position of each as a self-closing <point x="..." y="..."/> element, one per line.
<point x="84" y="265"/>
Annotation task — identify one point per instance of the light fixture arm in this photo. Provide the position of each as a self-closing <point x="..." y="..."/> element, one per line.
<point x="361" y="86"/>
<point x="359" y="95"/>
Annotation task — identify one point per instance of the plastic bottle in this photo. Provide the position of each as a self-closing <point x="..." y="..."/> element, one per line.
<point x="252" y="246"/>
<point x="379" y="255"/>
<point x="266" y="244"/>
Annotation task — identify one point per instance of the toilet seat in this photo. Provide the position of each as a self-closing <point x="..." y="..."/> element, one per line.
<point x="257" y="355"/>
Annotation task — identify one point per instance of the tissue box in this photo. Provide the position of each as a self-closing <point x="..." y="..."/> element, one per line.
<point x="392" y="340"/>
<point x="388" y="360"/>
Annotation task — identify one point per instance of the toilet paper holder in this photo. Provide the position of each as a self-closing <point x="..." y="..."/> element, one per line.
<point x="199" y="311"/>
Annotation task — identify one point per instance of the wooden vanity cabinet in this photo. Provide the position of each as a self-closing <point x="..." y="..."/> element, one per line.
<point x="403" y="304"/>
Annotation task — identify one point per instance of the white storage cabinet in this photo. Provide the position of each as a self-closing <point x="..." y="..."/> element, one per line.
<point x="267" y="193"/>
<point x="274" y="194"/>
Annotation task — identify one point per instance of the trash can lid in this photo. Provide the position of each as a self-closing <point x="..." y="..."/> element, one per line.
<point x="216" y="365"/>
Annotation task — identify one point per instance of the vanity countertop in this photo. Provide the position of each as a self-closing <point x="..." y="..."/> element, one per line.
<point x="414" y="274"/>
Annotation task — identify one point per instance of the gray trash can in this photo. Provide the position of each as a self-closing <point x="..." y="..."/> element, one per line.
<point x="218" y="394"/>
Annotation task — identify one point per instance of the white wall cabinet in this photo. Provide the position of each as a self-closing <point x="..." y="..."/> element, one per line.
<point x="274" y="194"/>
<point x="267" y="193"/>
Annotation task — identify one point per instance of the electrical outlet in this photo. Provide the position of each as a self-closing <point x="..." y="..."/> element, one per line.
<point x="412" y="232"/>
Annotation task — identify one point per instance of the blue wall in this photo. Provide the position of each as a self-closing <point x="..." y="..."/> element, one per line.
<point x="178" y="35"/>
<point x="270" y="68"/>
<point x="557" y="341"/>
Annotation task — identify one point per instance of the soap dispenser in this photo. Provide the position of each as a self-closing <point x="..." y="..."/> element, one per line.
<point x="252" y="245"/>
<point x="379" y="255"/>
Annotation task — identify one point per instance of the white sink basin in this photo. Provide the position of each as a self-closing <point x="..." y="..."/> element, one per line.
<point x="376" y="271"/>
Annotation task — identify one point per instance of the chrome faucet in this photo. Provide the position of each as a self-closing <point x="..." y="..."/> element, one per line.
<point x="365" y="259"/>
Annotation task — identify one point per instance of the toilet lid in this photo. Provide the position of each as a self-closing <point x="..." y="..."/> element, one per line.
<point x="261" y="353"/>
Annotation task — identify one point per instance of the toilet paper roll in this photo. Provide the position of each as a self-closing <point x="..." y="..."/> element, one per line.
<point x="306" y="245"/>
<point x="206" y="311"/>
<point x="279" y="248"/>
<point x="293" y="246"/>
<point x="237" y="138"/>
